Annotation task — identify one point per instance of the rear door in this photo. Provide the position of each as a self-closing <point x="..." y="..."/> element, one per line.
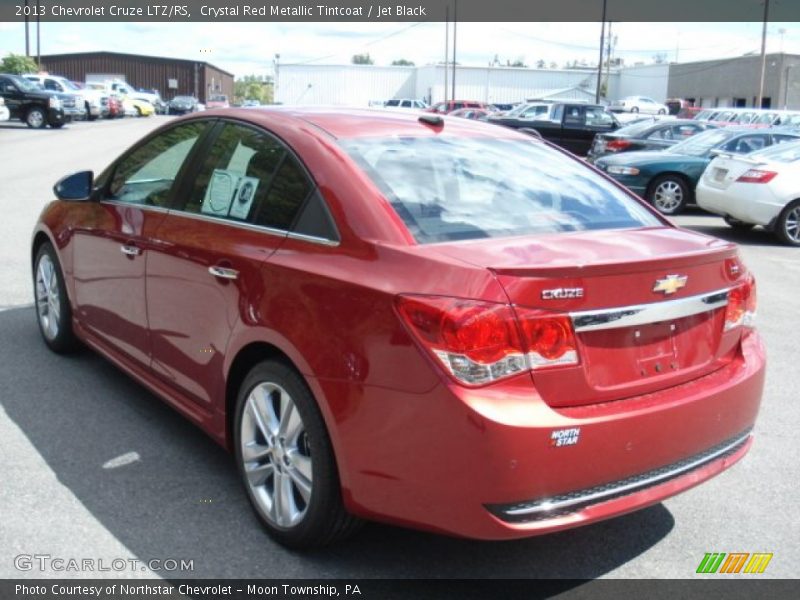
<point x="232" y="213"/>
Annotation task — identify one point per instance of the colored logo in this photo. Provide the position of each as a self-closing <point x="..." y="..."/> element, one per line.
<point x="734" y="562"/>
<point x="565" y="437"/>
<point x="670" y="284"/>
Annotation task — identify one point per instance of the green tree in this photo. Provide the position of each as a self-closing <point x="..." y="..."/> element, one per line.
<point x="18" y="64"/>
<point x="362" y="59"/>
<point x="541" y="64"/>
<point x="402" y="62"/>
<point x="253" y="87"/>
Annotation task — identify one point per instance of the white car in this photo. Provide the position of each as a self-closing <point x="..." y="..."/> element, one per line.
<point x="5" y="115"/>
<point x="760" y="188"/>
<point x="639" y="104"/>
<point x="405" y="103"/>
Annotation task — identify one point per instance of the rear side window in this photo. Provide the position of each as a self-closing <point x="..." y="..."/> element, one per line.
<point x="250" y="176"/>
<point x="236" y="174"/>
<point x="456" y="188"/>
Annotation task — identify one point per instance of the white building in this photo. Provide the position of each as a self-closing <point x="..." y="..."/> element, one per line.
<point x="358" y="85"/>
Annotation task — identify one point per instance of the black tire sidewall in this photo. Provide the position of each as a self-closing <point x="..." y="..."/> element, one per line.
<point x="325" y="491"/>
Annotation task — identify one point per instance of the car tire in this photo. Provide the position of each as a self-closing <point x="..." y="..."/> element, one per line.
<point x="36" y="118"/>
<point x="634" y="109"/>
<point x="53" y="310"/>
<point x="282" y="445"/>
<point x="737" y="224"/>
<point x="661" y="111"/>
<point x="669" y="194"/>
<point x="787" y="227"/>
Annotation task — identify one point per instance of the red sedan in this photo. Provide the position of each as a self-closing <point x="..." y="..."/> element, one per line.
<point x="385" y="318"/>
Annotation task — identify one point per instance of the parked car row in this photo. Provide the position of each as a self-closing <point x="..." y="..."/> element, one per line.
<point x="749" y="117"/>
<point x="42" y="100"/>
<point x="728" y="171"/>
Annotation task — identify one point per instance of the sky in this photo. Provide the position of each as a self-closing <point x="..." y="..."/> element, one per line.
<point x="249" y="48"/>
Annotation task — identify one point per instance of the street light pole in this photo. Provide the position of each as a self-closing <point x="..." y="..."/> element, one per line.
<point x="786" y="89"/>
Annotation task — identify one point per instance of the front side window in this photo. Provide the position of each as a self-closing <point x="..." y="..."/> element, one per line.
<point x="146" y="175"/>
<point x="456" y="188"/>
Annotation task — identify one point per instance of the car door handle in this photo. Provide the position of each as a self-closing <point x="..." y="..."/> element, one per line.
<point x="130" y="250"/>
<point x="223" y="272"/>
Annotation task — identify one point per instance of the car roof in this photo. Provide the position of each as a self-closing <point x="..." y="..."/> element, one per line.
<point x="351" y="122"/>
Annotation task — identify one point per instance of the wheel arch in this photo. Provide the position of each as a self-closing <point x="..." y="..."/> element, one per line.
<point x="256" y="351"/>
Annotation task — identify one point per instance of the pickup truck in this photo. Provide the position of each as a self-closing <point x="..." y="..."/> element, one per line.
<point x="31" y="104"/>
<point x="91" y="100"/>
<point x="571" y="126"/>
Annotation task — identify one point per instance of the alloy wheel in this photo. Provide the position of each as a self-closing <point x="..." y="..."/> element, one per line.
<point x="35" y="119"/>
<point x="276" y="455"/>
<point x="668" y="196"/>
<point x="48" y="299"/>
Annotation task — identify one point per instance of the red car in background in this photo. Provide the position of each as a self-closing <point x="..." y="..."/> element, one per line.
<point x="383" y="317"/>
<point x="476" y="114"/>
<point x="451" y="105"/>
<point x="112" y="107"/>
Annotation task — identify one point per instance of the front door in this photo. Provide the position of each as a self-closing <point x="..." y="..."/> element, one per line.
<point x="111" y="247"/>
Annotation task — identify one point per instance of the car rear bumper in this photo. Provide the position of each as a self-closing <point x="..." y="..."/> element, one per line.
<point x="487" y="463"/>
<point x="756" y="204"/>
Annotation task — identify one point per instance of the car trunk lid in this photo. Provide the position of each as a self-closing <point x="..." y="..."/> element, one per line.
<point x="647" y="305"/>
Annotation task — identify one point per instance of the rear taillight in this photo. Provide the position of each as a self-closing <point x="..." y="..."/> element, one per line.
<point x="741" y="309"/>
<point x="756" y="176"/>
<point x="479" y="342"/>
<point x="548" y="339"/>
<point x="617" y="145"/>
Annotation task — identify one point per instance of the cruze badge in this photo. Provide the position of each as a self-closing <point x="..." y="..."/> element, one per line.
<point x="670" y="284"/>
<point x="562" y="293"/>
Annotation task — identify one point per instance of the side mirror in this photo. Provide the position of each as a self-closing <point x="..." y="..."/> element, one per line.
<point x="715" y="152"/>
<point x="77" y="186"/>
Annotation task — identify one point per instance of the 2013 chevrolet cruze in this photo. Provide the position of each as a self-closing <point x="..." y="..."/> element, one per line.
<point x="385" y="318"/>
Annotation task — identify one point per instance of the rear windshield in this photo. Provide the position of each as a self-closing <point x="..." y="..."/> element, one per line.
<point x="459" y="188"/>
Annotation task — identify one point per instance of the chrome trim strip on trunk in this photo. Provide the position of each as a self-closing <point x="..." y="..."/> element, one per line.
<point x="642" y="314"/>
<point x="571" y="502"/>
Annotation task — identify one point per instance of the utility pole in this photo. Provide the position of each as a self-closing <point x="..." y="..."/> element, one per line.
<point x="455" y="25"/>
<point x="27" y="33"/>
<point x="38" y="39"/>
<point x="446" y="46"/>
<point x="600" y="63"/>
<point x="763" y="55"/>
<point x="609" y="49"/>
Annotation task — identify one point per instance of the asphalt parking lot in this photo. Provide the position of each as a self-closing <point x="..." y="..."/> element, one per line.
<point x="94" y="466"/>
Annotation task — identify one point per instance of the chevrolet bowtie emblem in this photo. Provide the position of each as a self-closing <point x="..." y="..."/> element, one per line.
<point x="670" y="284"/>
